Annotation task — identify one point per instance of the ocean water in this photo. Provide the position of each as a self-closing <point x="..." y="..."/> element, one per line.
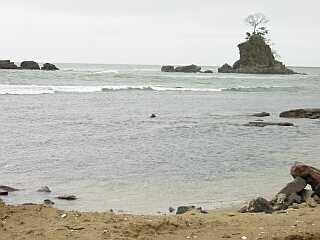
<point x="85" y="130"/>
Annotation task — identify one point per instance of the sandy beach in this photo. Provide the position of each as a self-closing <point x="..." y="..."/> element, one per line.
<point x="43" y="222"/>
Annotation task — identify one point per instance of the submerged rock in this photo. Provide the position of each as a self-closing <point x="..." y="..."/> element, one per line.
<point x="264" y="124"/>
<point x="29" y="65"/>
<point x="7" y="64"/>
<point x="207" y="71"/>
<point x="48" y="202"/>
<point x="256" y="57"/>
<point x="44" y="189"/>
<point x="312" y="113"/>
<point x="8" y="189"/>
<point x="49" y="67"/>
<point x="67" y="197"/>
<point x="153" y="115"/>
<point x="261" y="114"/>
<point x="3" y="193"/>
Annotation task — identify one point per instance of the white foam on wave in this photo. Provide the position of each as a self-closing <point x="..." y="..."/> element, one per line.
<point x="41" y="89"/>
<point x="106" y="71"/>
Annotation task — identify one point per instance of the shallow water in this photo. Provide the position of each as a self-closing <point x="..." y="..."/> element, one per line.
<point x="85" y="130"/>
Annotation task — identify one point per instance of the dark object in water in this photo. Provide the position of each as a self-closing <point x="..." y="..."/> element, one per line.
<point x="261" y="114"/>
<point x="153" y="115"/>
<point x="44" y="189"/>
<point x="171" y="209"/>
<point x="3" y="193"/>
<point x="311" y="113"/>
<point x="49" y="67"/>
<point x="48" y="202"/>
<point x="264" y="124"/>
<point x="67" y="197"/>
<point x="8" y="189"/>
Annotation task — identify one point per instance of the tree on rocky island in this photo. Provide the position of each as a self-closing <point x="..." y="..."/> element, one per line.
<point x="256" y="55"/>
<point x="257" y="21"/>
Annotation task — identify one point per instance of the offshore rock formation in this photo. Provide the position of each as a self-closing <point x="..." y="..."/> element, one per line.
<point x="49" y="67"/>
<point x="7" y="64"/>
<point x="184" y="69"/>
<point x="29" y="65"/>
<point x="256" y="57"/>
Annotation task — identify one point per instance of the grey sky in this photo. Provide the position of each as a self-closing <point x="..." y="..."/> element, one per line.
<point x="153" y="32"/>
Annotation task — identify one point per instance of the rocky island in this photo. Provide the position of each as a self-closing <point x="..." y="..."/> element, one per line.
<point x="256" y="55"/>
<point x="184" y="69"/>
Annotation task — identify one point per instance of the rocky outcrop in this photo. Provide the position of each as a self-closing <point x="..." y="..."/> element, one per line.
<point x="29" y="65"/>
<point x="167" y="68"/>
<point x="7" y="64"/>
<point x="188" y="69"/>
<point x="226" y="68"/>
<point x="312" y="113"/>
<point x="49" y="67"/>
<point x="184" y="69"/>
<point x="256" y="57"/>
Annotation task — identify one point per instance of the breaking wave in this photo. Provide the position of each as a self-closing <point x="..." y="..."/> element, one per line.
<point x="39" y="89"/>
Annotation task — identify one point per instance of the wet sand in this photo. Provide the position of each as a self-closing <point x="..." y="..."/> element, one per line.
<point x="43" y="222"/>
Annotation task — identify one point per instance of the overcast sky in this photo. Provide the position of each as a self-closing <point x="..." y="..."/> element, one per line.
<point x="203" y="32"/>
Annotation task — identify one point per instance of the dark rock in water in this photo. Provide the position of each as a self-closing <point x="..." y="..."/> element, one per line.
<point x="8" y="189"/>
<point x="261" y="114"/>
<point x="7" y="64"/>
<point x="44" y="189"/>
<point x="153" y="115"/>
<point x="171" y="209"/>
<point x="226" y="68"/>
<point x="29" y="65"/>
<point x="258" y="205"/>
<point x="264" y="124"/>
<point x="49" y="67"/>
<point x="3" y="193"/>
<point x="167" y="68"/>
<point x="256" y="57"/>
<point x="207" y="71"/>
<point x="188" y="69"/>
<point x="48" y="202"/>
<point x="312" y="113"/>
<point x="67" y="197"/>
<point x="184" y="209"/>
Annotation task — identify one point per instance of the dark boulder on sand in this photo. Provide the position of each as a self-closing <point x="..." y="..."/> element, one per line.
<point x="256" y="57"/>
<point x="7" y="64"/>
<point x="49" y="67"/>
<point x="312" y="113"/>
<point x="257" y="205"/>
<point x="29" y="65"/>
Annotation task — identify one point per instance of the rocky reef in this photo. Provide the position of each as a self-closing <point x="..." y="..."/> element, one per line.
<point x="184" y="69"/>
<point x="27" y="65"/>
<point x="256" y="57"/>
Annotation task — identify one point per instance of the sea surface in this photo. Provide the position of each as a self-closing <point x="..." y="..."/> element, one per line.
<point x="85" y="130"/>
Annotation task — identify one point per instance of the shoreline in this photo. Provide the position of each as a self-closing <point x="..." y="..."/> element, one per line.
<point x="43" y="222"/>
